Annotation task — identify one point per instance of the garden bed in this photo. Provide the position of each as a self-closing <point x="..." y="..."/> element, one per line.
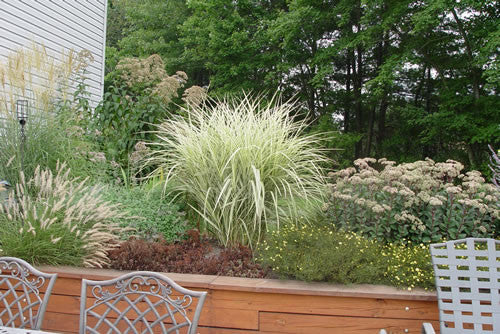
<point x="247" y="305"/>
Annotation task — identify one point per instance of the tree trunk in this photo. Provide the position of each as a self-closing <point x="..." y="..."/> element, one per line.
<point x="427" y="150"/>
<point x="381" y="52"/>
<point x="384" y="105"/>
<point x="358" y="108"/>
<point x="471" y="155"/>
<point x="348" y="100"/>
<point x="371" y="123"/>
<point x="476" y="72"/>
<point x="418" y="91"/>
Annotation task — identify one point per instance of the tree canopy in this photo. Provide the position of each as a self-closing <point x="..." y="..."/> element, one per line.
<point x="405" y="79"/>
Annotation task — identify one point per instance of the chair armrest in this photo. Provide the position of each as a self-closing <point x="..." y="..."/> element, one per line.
<point x="427" y="328"/>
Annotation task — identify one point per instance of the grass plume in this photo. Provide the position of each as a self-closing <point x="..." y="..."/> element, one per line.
<point x="52" y="218"/>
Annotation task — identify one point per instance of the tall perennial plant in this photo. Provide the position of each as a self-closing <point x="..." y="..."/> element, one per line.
<point x="139" y="93"/>
<point x="56" y="117"/>
<point x="33" y="73"/>
<point x="242" y="164"/>
<point x="423" y="201"/>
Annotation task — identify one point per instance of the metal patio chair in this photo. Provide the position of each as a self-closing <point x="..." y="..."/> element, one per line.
<point x="139" y="302"/>
<point x="21" y="302"/>
<point x="467" y="276"/>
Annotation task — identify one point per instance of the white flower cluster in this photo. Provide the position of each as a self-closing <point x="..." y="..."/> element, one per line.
<point x="433" y="199"/>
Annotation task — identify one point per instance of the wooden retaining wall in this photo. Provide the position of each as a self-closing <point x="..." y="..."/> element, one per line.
<point x="251" y="306"/>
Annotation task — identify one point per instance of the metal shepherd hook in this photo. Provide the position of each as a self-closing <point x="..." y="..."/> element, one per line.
<point x="22" y="117"/>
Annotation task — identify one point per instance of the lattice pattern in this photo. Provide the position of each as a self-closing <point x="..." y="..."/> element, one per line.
<point x="467" y="275"/>
<point x="21" y="304"/>
<point x="140" y="302"/>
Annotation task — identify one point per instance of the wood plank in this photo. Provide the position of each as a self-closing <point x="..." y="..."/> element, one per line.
<point x="210" y="316"/>
<point x="261" y="285"/>
<point x="61" y="322"/>
<point x="68" y="323"/>
<point x="318" y="288"/>
<point x="327" y="305"/>
<point x="209" y="330"/>
<point x="262" y="307"/>
<point x="302" y="324"/>
<point x="321" y="305"/>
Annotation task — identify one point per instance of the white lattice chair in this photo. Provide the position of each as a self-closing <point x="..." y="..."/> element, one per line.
<point x="467" y="275"/>
<point x="139" y="302"/>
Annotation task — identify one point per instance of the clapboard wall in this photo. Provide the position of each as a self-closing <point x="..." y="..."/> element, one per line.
<point x="58" y="25"/>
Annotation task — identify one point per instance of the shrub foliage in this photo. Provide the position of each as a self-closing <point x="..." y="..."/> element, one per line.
<point x="195" y="255"/>
<point x="153" y="215"/>
<point x="142" y="94"/>
<point x="408" y="265"/>
<point x="319" y="254"/>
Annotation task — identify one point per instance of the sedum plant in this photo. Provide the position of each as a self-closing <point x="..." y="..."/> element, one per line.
<point x="54" y="219"/>
<point x="244" y="166"/>
<point x="421" y="201"/>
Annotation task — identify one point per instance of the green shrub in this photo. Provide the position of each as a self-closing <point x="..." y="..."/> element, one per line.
<point x="54" y="219"/>
<point x="421" y="201"/>
<point x="120" y="122"/>
<point x="139" y="94"/>
<point x="408" y="265"/>
<point x="312" y="253"/>
<point x="243" y="166"/>
<point x="153" y="214"/>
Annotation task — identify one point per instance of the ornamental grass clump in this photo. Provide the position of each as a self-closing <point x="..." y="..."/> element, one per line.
<point x="423" y="201"/>
<point x="54" y="219"/>
<point x="34" y="74"/>
<point x="243" y="166"/>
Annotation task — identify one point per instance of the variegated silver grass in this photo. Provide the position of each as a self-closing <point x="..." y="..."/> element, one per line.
<point x="61" y="210"/>
<point x="244" y="165"/>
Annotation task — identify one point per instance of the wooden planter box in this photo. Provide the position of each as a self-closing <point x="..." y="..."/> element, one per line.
<point x="249" y="306"/>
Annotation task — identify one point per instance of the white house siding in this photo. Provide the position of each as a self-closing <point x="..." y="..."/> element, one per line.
<point x="58" y="25"/>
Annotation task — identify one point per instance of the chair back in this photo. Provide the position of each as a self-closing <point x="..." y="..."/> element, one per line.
<point x="467" y="274"/>
<point x="21" y="302"/>
<point x="139" y="302"/>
